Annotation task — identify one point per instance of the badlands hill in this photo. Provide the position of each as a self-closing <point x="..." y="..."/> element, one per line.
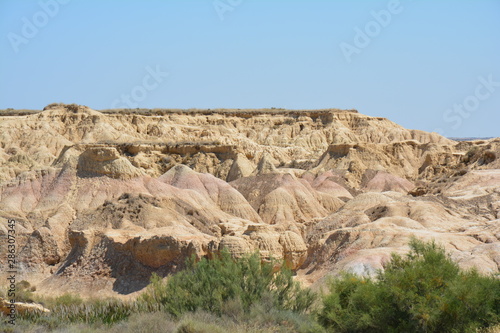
<point x="104" y="199"/>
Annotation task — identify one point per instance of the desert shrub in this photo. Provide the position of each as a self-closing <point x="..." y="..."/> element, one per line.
<point x="263" y="316"/>
<point x="53" y="106"/>
<point x="24" y="292"/>
<point x="145" y="323"/>
<point x="71" y="310"/>
<point x="203" y="322"/>
<point x="98" y="311"/>
<point x="470" y="155"/>
<point x="19" y="327"/>
<point x="23" y="284"/>
<point x="72" y="107"/>
<point x="422" y="292"/>
<point x="209" y="284"/>
<point x="36" y="322"/>
<point x="68" y="299"/>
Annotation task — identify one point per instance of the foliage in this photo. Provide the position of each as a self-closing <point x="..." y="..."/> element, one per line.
<point x="422" y="292"/>
<point x="209" y="284"/>
<point x="66" y="299"/>
<point x="218" y="295"/>
<point x="23" y="292"/>
<point x="71" y="310"/>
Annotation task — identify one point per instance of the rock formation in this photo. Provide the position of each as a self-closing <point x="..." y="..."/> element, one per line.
<point x="104" y="199"/>
<point x="20" y="307"/>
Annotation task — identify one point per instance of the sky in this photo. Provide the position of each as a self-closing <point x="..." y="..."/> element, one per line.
<point x="429" y="65"/>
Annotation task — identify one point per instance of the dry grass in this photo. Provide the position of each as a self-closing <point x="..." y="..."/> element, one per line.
<point x="20" y="112"/>
<point x="163" y="112"/>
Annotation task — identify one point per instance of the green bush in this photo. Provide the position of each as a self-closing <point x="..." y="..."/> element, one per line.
<point x="200" y="322"/>
<point x="23" y="292"/>
<point x="209" y="284"/>
<point x="69" y="299"/>
<point x="216" y="295"/>
<point x="66" y="299"/>
<point x="422" y="292"/>
<point x="98" y="311"/>
<point x="263" y="316"/>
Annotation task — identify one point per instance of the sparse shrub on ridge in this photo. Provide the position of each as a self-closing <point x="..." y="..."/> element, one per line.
<point x="422" y="292"/>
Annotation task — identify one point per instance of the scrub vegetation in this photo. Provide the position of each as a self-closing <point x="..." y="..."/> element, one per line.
<point x="424" y="291"/>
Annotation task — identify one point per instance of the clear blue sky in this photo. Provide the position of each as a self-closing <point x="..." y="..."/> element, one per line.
<point x="427" y="66"/>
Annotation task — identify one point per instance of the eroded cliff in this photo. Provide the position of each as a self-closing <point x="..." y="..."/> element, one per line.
<point x="103" y="199"/>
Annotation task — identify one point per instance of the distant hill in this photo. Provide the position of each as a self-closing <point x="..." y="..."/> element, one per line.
<point x="471" y="138"/>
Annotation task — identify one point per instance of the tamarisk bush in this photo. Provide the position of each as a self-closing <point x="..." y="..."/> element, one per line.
<point x="425" y="291"/>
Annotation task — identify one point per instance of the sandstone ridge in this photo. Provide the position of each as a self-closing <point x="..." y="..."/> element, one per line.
<point x="104" y="199"/>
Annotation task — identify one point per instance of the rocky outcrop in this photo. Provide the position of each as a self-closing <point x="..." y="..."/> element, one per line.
<point x="20" y="308"/>
<point x="269" y="243"/>
<point x="381" y="181"/>
<point x="241" y="167"/>
<point x="264" y="166"/>
<point x="179" y="136"/>
<point x="217" y="191"/>
<point x="284" y="199"/>
<point x="361" y="236"/>
<point x="106" y="161"/>
<point x="104" y="199"/>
